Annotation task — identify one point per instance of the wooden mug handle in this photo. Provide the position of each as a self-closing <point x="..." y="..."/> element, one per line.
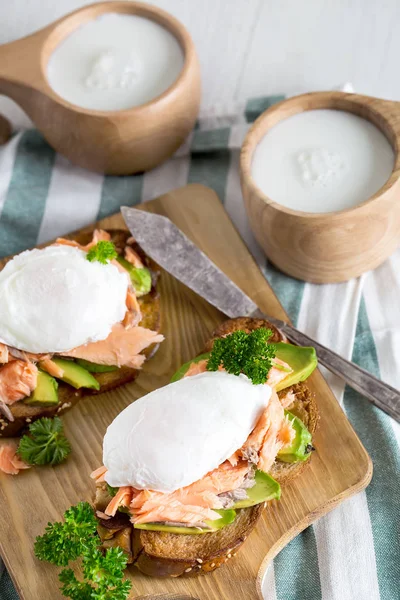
<point x="21" y="76"/>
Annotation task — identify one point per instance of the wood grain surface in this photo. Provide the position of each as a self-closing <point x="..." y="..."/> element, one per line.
<point x="113" y="142"/>
<point x="326" y="247"/>
<point x="339" y="468"/>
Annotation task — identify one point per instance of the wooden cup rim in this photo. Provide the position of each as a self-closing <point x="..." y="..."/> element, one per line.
<point x="353" y="103"/>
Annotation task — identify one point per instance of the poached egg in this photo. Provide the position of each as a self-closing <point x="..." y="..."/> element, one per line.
<point x="54" y="299"/>
<point x="177" y="434"/>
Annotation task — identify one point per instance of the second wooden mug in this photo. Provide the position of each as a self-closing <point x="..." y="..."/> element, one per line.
<point x="335" y="246"/>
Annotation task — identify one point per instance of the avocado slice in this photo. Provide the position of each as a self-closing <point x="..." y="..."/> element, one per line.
<point x="140" y="277"/>
<point x="302" y="359"/>
<point x="94" y="367"/>
<point x="300" y="448"/>
<point x="265" y="489"/>
<point x="184" y="368"/>
<point x="227" y="517"/>
<point x="45" y="392"/>
<point x="76" y="375"/>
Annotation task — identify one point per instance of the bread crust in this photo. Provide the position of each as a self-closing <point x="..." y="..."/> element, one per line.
<point x="68" y="396"/>
<point x="162" y="554"/>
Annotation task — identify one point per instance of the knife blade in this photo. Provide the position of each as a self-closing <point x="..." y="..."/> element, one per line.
<point x="169" y="247"/>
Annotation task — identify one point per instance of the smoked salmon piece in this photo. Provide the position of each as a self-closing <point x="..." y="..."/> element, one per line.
<point x="223" y="479"/>
<point x="286" y="433"/>
<point x="196" y="368"/>
<point x="133" y="315"/>
<point x="191" y="505"/>
<point x="122" y="498"/>
<point x="98" y="474"/>
<point x="271" y="443"/>
<point x="252" y="446"/>
<point x="101" y="515"/>
<point x="133" y="257"/>
<point x="175" y="512"/>
<point x="270" y="434"/>
<point x="122" y="347"/>
<point x="18" y="379"/>
<point x="51" y="368"/>
<point x="10" y="462"/>
<point x="199" y="367"/>
<point x="98" y="236"/>
<point x="3" y="353"/>
<point x="277" y="375"/>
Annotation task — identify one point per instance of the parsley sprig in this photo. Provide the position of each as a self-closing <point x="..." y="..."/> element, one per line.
<point x="65" y="541"/>
<point x="103" y="252"/>
<point x="45" y="444"/>
<point x="103" y="577"/>
<point x="241" y="352"/>
<point x="74" y="538"/>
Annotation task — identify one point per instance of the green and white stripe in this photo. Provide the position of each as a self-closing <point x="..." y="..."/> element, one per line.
<point x="344" y="538"/>
<point x="26" y="197"/>
<point x="354" y="552"/>
<point x="73" y="196"/>
<point x="376" y="431"/>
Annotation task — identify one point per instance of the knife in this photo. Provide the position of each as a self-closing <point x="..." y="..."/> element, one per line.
<point x="178" y="255"/>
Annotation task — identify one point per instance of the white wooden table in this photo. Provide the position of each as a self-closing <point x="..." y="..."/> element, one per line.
<point x="261" y="47"/>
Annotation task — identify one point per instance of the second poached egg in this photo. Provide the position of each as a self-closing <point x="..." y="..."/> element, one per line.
<point x="54" y="299"/>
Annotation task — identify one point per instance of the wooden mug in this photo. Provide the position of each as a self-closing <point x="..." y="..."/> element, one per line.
<point x="326" y="247"/>
<point x="113" y="142"/>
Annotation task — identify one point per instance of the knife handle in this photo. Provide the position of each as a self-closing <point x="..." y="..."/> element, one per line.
<point x="379" y="393"/>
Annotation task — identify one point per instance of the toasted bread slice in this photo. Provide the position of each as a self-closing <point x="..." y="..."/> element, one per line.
<point x="163" y="554"/>
<point x="68" y="396"/>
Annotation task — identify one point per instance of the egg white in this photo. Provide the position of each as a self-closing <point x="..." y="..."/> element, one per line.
<point x="176" y="434"/>
<point x="53" y="300"/>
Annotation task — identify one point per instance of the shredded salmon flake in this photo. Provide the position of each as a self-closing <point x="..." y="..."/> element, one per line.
<point x="98" y="474"/>
<point x="10" y="463"/>
<point x="18" y="379"/>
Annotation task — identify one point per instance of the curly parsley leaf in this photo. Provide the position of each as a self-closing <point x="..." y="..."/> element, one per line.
<point x="66" y="541"/>
<point x="72" y="588"/>
<point x="103" y="252"/>
<point x="241" y="352"/>
<point x="45" y="444"/>
<point x="77" y="537"/>
<point x="106" y="572"/>
<point x="103" y="577"/>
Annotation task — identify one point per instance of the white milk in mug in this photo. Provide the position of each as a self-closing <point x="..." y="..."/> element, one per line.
<point x="115" y="62"/>
<point x="322" y="161"/>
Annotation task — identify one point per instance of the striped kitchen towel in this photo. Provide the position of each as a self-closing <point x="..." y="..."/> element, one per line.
<point x="354" y="552"/>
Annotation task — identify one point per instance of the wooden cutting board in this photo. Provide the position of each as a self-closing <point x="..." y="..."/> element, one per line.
<point x="339" y="468"/>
